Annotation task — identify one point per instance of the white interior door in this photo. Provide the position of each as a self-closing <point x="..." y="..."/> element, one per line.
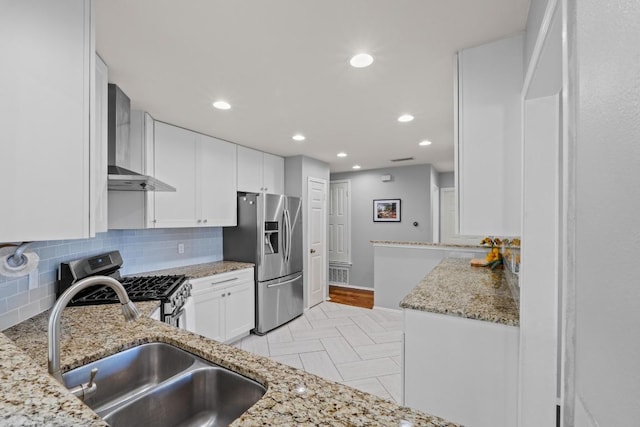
<point x="339" y="222"/>
<point x="317" y="265"/>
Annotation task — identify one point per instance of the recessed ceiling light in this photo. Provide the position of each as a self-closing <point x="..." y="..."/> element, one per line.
<point x="405" y="118"/>
<point x="355" y="167"/>
<point x="342" y="154"/>
<point x="361" y="60"/>
<point x="425" y="143"/>
<point x="298" y="137"/>
<point x="222" y="105"/>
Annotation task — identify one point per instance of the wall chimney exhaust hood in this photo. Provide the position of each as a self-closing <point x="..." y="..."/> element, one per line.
<point x="122" y="174"/>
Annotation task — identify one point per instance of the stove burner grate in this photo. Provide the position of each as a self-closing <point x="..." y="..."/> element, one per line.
<point x="138" y="289"/>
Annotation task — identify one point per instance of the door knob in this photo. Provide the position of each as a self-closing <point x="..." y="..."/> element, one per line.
<point x="313" y="251"/>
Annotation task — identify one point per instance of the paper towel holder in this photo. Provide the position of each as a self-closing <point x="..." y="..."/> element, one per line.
<point x="18" y="259"/>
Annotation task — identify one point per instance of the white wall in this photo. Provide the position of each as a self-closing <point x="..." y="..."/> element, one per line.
<point x="298" y="169"/>
<point x="447" y="179"/>
<point x="604" y="128"/>
<point x="539" y="363"/>
<point x="412" y="185"/>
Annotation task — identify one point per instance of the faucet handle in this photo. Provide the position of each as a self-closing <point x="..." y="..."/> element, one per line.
<point x="92" y="375"/>
<point x="86" y="390"/>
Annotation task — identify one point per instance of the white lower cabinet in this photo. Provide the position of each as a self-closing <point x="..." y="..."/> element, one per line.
<point x="224" y="305"/>
<point x="463" y="370"/>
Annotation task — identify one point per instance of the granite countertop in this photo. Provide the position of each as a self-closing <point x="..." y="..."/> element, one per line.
<point x="31" y="397"/>
<point x="431" y="244"/>
<point x="200" y="270"/>
<point x="457" y="289"/>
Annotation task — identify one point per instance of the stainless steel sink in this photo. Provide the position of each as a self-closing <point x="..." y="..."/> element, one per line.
<point x="205" y="397"/>
<point x="161" y="385"/>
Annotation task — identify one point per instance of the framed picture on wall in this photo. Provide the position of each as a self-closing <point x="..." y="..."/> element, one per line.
<point x="387" y="210"/>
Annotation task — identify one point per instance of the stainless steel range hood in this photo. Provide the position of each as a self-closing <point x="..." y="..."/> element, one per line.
<point x="122" y="173"/>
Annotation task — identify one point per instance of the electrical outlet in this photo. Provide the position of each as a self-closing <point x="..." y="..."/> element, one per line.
<point x="180" y="248"/>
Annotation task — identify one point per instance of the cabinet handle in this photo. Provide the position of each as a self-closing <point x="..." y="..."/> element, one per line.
<point x="224" y="281"/>
<point x="205" y="220"/>
<point x="199" y="221"/>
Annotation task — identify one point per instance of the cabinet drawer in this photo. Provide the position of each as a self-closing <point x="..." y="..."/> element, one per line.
<point x="222" y="280"/>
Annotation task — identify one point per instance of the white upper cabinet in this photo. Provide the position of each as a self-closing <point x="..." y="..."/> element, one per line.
<point x="273" y="173"/>
<point x="216" y="182"/>
<point x="488" y="151"/>
<point x="99" y="155"/>
<point x="260" y="172"/>
<point x="203" y="171"/>
<point x="46" y="102"/>
<point x="249" y="170"/>
<point x="175" y="154"/>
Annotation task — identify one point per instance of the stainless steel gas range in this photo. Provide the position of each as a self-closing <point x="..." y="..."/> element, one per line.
<point x="174" y="292"/>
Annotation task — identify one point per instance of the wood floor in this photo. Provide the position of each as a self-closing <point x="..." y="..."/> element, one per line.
<point x="349" y="296"/>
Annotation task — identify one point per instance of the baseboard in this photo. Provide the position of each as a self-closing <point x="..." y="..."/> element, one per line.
<point x="342" y="285"/>
<point x="394" y="310"/>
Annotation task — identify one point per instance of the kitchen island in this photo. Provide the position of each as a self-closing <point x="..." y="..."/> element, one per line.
<point x="31" y="397"/>
<point x="461" y="338"/>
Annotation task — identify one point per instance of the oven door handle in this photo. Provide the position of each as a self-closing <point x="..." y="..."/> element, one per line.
<point x="274" y="285"/>
<point x="173" y="318"/>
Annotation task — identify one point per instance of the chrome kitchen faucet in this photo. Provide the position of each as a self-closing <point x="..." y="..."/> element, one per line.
<point x="129" y="311"/>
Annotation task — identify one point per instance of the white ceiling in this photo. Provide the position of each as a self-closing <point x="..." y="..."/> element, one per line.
<point x="284" y="67"/>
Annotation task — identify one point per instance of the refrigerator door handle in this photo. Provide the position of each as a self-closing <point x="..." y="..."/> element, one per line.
<point x="289" y="236"/>
<point x="285" y="238"/>
<point x="274" y="285"/>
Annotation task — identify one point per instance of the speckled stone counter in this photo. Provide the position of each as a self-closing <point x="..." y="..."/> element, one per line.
<point x="31" y="397"/>
<point x="200" y="270"/>
<point x="429" y="244"/>
<point x="455" y="288"/>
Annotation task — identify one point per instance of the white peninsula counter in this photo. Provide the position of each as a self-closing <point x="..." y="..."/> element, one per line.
<point x="460" y="359"/>
<point x="398" y="266"/>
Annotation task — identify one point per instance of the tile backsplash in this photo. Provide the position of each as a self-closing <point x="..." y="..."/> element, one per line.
<point x="142" y="250"/>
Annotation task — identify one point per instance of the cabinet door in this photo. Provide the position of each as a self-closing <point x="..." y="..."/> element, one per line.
<point x="175" y="164"/>
<point x="249" y="170"/>
<point x="216" y="183"/>
<point x="273" y="174"/>
<point x="239" y="309"/>
<point x="209" y="313"/>
<point x="47" y="71"/>
<point x="488" y="155"/>
<point x="99" y="149"/>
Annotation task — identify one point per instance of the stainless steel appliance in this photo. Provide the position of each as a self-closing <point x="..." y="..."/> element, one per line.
<point x="122" y="173"/>
<point x="269" y="234"/>
<point x="174" y="292"/>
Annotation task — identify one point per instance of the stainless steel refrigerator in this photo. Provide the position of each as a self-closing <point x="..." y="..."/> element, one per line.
<point x="269" y="234"/>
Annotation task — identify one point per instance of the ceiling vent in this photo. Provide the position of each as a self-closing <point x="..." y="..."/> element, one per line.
<point x="404" y="159"/>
